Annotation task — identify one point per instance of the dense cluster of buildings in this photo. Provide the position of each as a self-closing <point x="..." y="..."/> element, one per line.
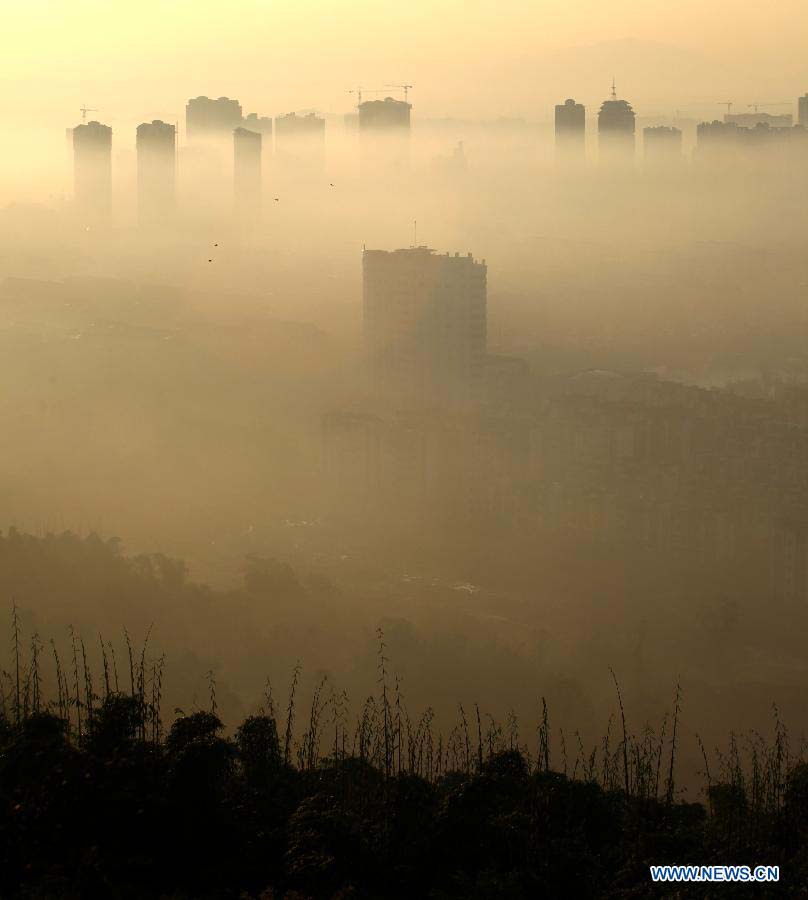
<point x="739" y="137"/>
<point x="452" y="437"/>
<point x="297" y="141"/>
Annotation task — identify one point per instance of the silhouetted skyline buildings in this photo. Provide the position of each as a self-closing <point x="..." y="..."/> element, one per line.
<point x="300" y="143"/>
<point x="616" y="123"/>
<point x="802" y="110"/>
<point x="719" y="143"/>
<point x="384" y="115"/>
<point x="425" y="325"/>
<point x="156" y="170"/>
<point x="662" y="146"/>
<point x="751" y="120"/>
<point x="570" y="130"/>
<point x="247" y="171"/>
<point x="384" y="126"/>
<point x="92" y="169"/>
<point x="207" y="118"/>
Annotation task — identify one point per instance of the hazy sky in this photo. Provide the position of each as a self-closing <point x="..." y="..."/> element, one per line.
<point x="142" y="58"/>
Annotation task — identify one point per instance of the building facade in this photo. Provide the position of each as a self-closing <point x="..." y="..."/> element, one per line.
<point x="570" y="131"/>
<point x="92" y="169"/>
<point x="425" y="325"/>
<point x="207" y="119"/>
<point x="247" y="171"/>
<point x="156" y="144"/>
<point x="662" y="146"/>
<point x="616" y="124"/>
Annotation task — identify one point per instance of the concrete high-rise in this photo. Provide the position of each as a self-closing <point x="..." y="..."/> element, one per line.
<point x="300" y="143"/>
<point x="425" y="325"/>
<point x="662" y="146"/>
<point x="247" y="171"/>
<point x="384" y="132"/>
<point x="384" y="115"/>
<point x="293" y="127"/>
<point x="206" y="118"/>
<point x="156" y="144"/>
<point x="260" y="124"/>
<point x="92" y="169"/>
<point x="802" y="111"/>
<point x="751" y="120"/>
<point x="616" y="132"/>
<point x="570" y="131"/>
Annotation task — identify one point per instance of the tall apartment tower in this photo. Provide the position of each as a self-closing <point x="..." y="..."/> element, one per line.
<point x="425" y="325"/>
<point x="384" y="115"/>
<point x="384" y="135"/>
<point x="156" y="144"/>
<point x="616" y="133"/>
<point x="802" y="111"/>
<point x="261" y="124"/>
<point x="570" y="131"/>
<point x="300" y="142"/>
<point x="92" y="169"/>
<point x="207" y="119"/>
<point x="247" y="171"/>
<point x="662" y="147"/>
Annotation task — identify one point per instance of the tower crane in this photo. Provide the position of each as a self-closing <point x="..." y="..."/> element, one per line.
<point x="84" y="110"/>
<point x="403" y="87"/>
<point x="359" y="91"/>
<point x="756" y="106"/>
<point x="728" y="103"/>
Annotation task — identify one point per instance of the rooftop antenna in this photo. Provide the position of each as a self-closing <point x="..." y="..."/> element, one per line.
<point x="84" y="110"/>
<point x="614" y="89"/>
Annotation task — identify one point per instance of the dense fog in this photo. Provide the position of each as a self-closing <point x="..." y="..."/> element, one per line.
<point x="625" y="488"/>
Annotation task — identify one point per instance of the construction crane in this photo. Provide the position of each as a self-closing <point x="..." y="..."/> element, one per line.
<point x="756" y="106"/>
<point x="728" y="103"/>
<point x="360" y="90"/>
<point x="403" y="87"/>
<point x="84" y="110"/>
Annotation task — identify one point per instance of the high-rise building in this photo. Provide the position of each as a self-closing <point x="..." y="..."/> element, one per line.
<point x="384" y="132"/>
<point x="662" y="146"/>
<point x="206" y="118"/>
<point x="721" y="143"/>
<point x="260" y="124"/>
<point x="616" y="132"/>
<point x="751" y="120"/>
<point x="425" y="325"/>
<point x="802" y="110"/>
<point x="384" y="115"/>
<point x="156" y="170"/>
<point x="92" y="169"/>
<point x="247" y="171"/>
<point x="300" y="143"/>
<point x="292" y="126"/>
<point x="570" y="131"/>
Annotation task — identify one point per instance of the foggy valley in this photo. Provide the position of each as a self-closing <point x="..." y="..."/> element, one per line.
<point x="503" y="416"/>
